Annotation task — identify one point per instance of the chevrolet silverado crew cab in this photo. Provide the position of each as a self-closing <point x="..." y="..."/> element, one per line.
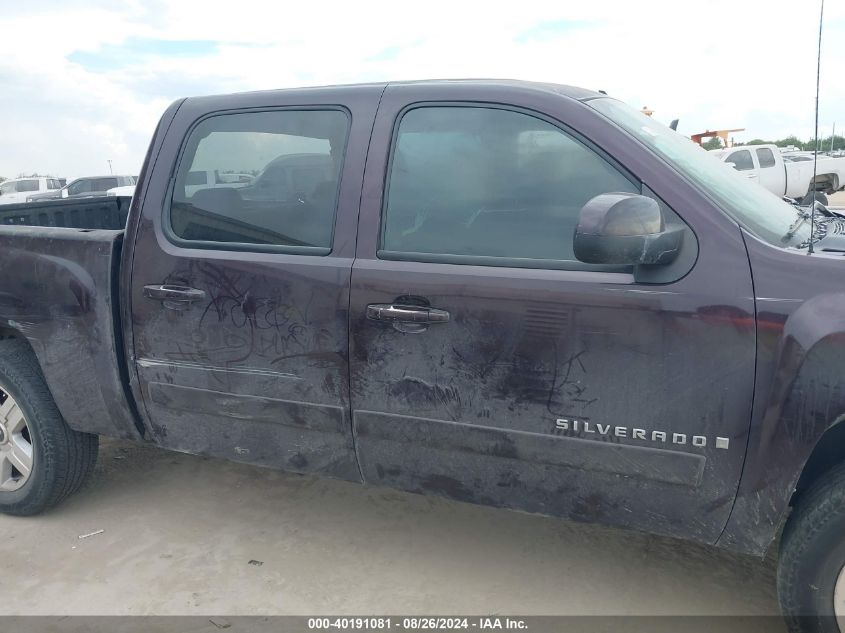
<point x="522" y="295"/>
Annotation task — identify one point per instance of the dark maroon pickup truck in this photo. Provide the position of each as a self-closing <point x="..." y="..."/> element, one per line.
<point x="522" y="295"/>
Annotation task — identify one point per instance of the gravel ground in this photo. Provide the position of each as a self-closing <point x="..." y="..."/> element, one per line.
<point x="837" y="199"/>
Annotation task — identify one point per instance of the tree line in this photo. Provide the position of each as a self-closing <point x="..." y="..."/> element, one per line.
<point x="791" y="140"/>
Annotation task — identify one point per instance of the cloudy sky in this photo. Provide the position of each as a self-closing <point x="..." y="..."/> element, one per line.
<point x="84" y="81"/>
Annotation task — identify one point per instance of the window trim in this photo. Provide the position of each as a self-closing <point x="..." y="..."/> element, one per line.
<point x="489" y="260"/>
<point x="207" y="245"/>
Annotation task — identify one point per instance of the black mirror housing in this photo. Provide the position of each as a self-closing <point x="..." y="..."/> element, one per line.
<point x="625" y="229"/>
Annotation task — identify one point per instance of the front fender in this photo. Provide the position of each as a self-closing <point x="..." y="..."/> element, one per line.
<point x="798" y="397"/>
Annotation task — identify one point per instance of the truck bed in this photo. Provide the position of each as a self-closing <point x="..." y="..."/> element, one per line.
<point x="105" y="212"/>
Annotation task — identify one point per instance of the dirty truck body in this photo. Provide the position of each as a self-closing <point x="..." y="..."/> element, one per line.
<point x="409" y="318"/>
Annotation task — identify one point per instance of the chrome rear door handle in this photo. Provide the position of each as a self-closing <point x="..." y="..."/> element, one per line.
<point x="393" y="313"/>
<point x="173" y="294"/>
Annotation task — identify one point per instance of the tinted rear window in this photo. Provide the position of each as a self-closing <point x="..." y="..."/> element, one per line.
<point x="765" y="157"/>
<point x="296" y="157"/>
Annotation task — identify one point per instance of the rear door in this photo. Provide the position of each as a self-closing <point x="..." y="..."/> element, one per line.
<point x="488" y="365"/>
<point x="772" y="175"/>
<point x="240" y="301"/>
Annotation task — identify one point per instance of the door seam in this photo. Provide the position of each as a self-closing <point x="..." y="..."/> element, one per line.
<point x="349" y="293"/>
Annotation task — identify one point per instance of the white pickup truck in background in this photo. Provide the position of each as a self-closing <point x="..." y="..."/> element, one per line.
<point x="783" y="176"/>
<point x="19" y="189"/>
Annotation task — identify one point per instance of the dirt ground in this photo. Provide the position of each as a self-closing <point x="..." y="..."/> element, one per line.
<point x="837" y="199"/>
<point x="191" y="535"/>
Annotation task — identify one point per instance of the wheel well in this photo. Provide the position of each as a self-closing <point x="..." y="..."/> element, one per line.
<point x="828" y="452"/>
<point x="825" y="182"/>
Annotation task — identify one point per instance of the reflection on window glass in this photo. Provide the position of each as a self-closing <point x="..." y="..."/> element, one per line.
<point x="267" y="178"/>
<point x="489" y="182"/>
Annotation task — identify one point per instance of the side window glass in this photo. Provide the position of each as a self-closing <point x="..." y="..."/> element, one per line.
<point x="765" y="157"/>
<point x="265" y="178"/>
<point x="742" y="160"/>
<point x="476" y="181"/>
<point x="80" y="186"/>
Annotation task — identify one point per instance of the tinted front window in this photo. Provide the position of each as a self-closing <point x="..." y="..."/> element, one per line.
<point x="741" y="159"/>
<point x="765" y="157"/>
<point x="296" y="158"/>
<point x="489" y="182"/>
<point x="83" y="185"/>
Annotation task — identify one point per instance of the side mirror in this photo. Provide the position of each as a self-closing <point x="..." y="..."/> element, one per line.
<point x="626" y="229"/>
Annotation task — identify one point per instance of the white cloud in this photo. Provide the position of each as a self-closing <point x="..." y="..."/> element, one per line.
<point x="84" y="82"/>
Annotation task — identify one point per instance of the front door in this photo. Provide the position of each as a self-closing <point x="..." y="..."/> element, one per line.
<point x="240" y="284"/>
<point x="488" y="365"/>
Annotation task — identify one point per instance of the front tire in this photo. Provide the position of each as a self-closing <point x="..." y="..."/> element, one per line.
<point x="811" y="568"/>
<point x="42" y="460"/>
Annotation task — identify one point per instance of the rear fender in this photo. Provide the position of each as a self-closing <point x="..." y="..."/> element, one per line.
<point x="57" y="293"/>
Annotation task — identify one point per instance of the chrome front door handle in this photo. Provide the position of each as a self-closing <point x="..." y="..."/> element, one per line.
<point x="409" y="319"/>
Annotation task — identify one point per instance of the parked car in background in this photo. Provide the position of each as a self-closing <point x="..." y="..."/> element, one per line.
<point x="86" y="187"/>
<point x="290" y="175"/>
<point x="211" y="178"/>
<point x="19" y="189"/>
<point x="788" y="175"/>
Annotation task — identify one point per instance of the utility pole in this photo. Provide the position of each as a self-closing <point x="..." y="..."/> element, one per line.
<point x="816" y="141"/>
<point x="832" y="136"/>
<point x="110" y="169"/>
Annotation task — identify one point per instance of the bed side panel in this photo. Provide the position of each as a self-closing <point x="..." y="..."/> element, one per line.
<point x="57" y="291"/>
